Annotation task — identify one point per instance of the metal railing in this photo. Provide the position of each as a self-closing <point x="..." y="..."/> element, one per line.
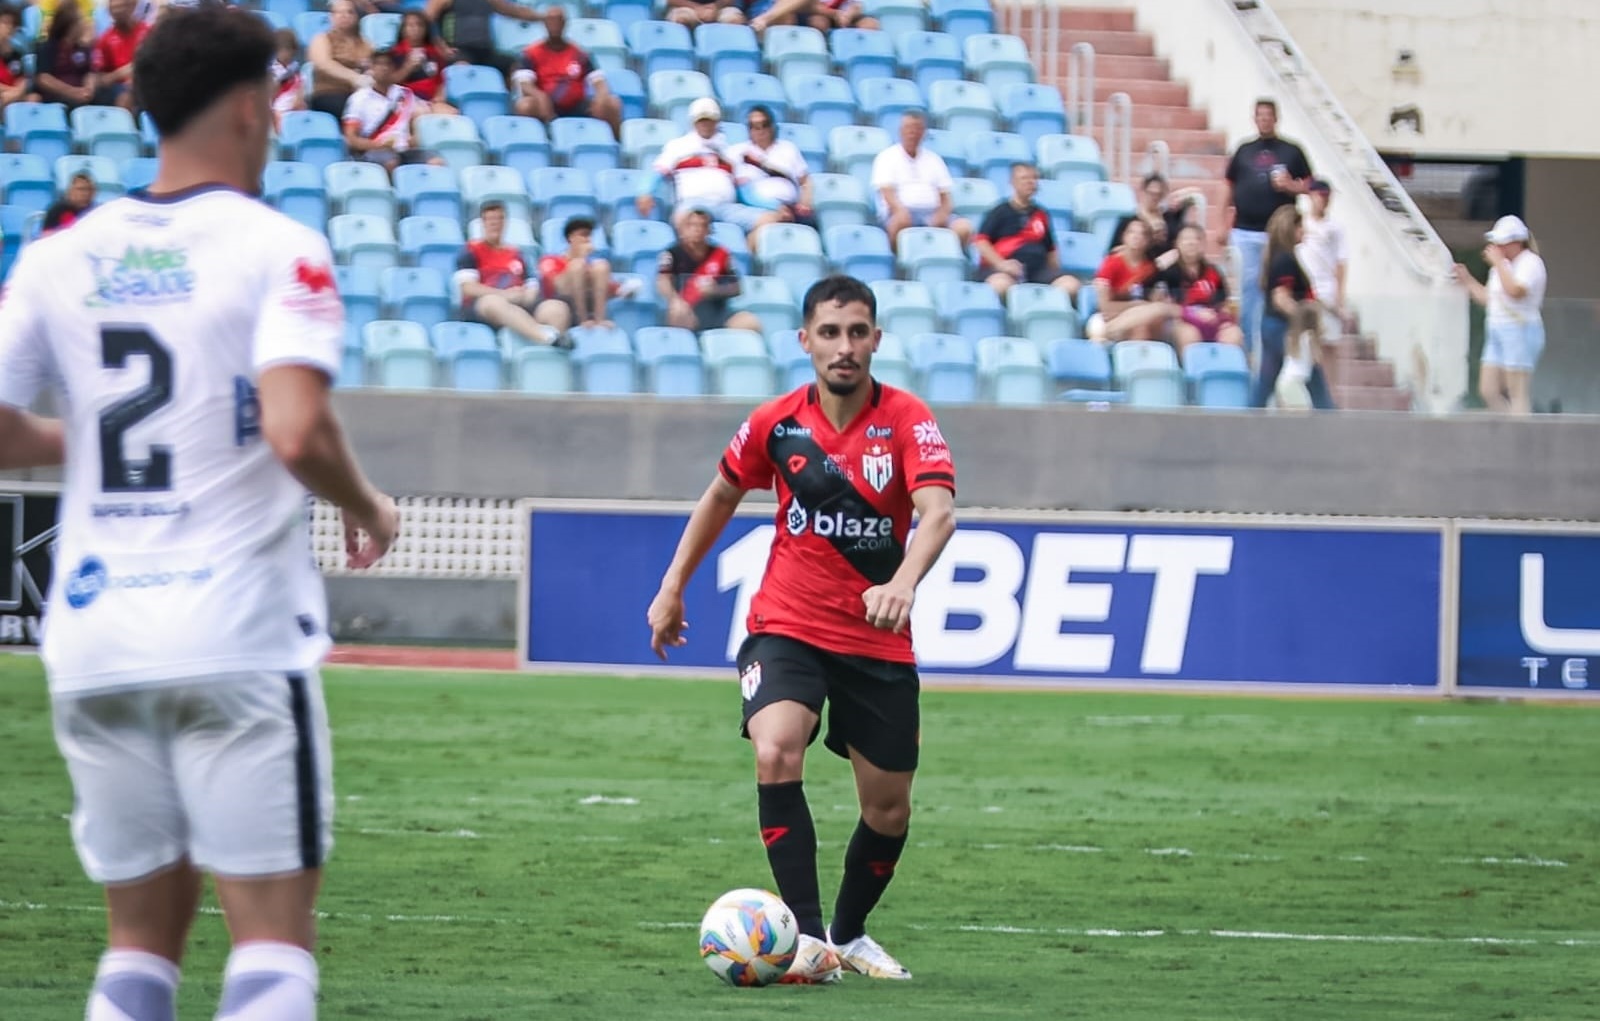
<point x="1038" y="24"/>
<point x="1080" y="88"/>
<point x="1118" y="143"/>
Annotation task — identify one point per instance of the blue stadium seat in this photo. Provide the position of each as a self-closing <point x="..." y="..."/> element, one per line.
<point x="851" y="150"/>
<point x="963" y="18"/>
<point x="562" y="192"/>
<point x="637" y="311"/>
<point x="637" y="244"/>
<point x="478" y="92"/>
<point x="883" y="100"/>
<point x="615" y="191"/>
<point x="1012" y="370"/>
<point x="140" y="172"/>
<point x="310" y="24"/>
<point x="671" y="92"/>
<point x="148" y="133"/>
<point x="469" y="356"/>
<point x="905" y="307"/>
<point x="671" y="361"/>
<point x="381" y="30"/>
<point x="1219" y="374"/>
<point x="584" y="143"/>
<point x="363" y="241"/>
<point x="660" y="46"/>
<point x="840" y="200"/>
<point x="13" y="224"/>
<point x="1081" y="369"/>
<point x="107" y="178"/>
<point x="1101" y="205"/>
<point x="825" y="102"/>
<point x="39" y="129"/>
<point x="278" y="22"/>
<point x="520" y="143"/>
<point x="428" y="191"/>
<point x="1033" y="111"/>
<point x="628" y="87"/>
<point x="516" y="234"/>
<point x="726" y="49"/>
<point x="948" y="367"/>
<point x="360" y="188"/>
<point x="812" y="143"/>
<point x="288" y="9"/>
<point x="860" y="251"/>
<point x="414" y="293"/>
<point x="297" y="191"/>
<point x="898" y="17"/>
<point x="738" y="91"/>
<point x="973" y="197"/>
<point x="928" y="57"/>
<point x="605" y="360"/>
<point x="732" y="237"/>
<point x="1041" y="313"/>
<point x="432" y="242"/>
<point x="962" y="106"/>
<point x="997" y="60"/>
<point x="540" y="369"/>
<point x="1081" y="254"/>
<point x="971" y="309"/>
<point x="400" y="355"/>
<point x="1055" y="198"/>
<point x="26" y="182"/>
<point x="358" y="289"/>
<point x="310" y="136"/>
<point x="602" y="40"/>
<point x="739" y="362"/>
<point x="863" y="54"/>
<point x="790" y="363"/>
<point x="991" y="154"/>
<point x="512" y="36"/>
<point x="482" y="184"/>
<point x="792" y="252"/>
<point x="769" y="300"/>
<point x="452" y="137"/>
<point x="951" y="147"/>
<point x="892" y="364"/>
<point x="1149" y="374"/>
<point x="626" y="12"/>
<point x="106" y="131"/>
<point x="1072" y="159"/>
<point x="932" y="255"/>
<point x="795" y="50"/>
<point x="643" y="139"/>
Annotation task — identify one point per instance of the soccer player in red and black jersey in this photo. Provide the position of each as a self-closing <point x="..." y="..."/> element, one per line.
<point x="851" y="459"/>
<point x="1015" y="244"/>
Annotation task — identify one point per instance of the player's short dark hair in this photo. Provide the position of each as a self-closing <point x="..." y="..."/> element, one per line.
<point x="1268" y="102"/>
<point x="196" y="55"/>
<point x="1023" y="165"/>
<point x="82" y="175"/>
<point x="915" y="113"/>
<point x="490" y="206"/>
<point x="842" y="289"/>
<point x="286" y="37"/>
<point x="576" y="224"/>
<point x="765" y="111"/>
<point x="698" y="211"/>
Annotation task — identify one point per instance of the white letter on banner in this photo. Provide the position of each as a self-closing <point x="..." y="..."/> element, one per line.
<point x="1541" y="637"/>
<point x="1575" y="673"/>
<point x="1176" y="561"/>
<point x="1534" y="665"/>
<point x="992" y="599"/>
<point x="742" y="565"/>
<point x="1054" y="597"/>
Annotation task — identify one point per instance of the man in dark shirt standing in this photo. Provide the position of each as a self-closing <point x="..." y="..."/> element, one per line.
<point x="1015" y="243"/>
<point x="1266" y="174"/>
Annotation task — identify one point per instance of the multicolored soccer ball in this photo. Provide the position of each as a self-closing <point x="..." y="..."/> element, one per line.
<point x="749" y="937"/>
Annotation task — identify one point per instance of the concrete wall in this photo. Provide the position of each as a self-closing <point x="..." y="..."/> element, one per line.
<point x="1565" y="219"/>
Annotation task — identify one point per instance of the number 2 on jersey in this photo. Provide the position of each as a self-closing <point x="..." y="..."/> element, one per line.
<point x="117" y="473"/>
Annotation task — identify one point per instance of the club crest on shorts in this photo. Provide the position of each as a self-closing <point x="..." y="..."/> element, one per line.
<point x="749" y="681"/>
<point x="877" y="466"/>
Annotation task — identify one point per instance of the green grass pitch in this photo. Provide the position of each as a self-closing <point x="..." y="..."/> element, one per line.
<point x="515" y="848"/>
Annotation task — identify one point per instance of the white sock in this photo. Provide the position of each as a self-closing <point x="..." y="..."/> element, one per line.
<point x="269" y="982"/>
<point x="133" y="985"/>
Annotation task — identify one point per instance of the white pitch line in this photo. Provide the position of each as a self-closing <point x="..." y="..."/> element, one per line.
<point x="377" y="831"/>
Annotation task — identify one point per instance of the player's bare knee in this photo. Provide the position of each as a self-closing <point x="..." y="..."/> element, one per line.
<point x="889" y="817"/>
<point x="779" y="759"/>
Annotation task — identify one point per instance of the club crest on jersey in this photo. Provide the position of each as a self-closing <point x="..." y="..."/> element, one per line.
<point x="140" y="276"/>
<point x="877" y="467"/>
<point x="316" y="293"/>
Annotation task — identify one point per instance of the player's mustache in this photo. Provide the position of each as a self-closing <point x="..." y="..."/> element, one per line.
<point x="847" y="363"/>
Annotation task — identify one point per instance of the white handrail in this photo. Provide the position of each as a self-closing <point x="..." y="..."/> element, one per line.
<point x="1080" y="88"/>
<point x="1160" y="154"/>
<point x="1119" y="136"/>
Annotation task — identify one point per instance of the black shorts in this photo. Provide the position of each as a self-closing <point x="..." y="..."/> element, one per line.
<point x="711" y="314"/>
<point x="872" y="703"/>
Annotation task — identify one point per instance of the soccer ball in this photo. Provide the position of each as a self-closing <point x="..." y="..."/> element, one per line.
<point x="748" y="937"/>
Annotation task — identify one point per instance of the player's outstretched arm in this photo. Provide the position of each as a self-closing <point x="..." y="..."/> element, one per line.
<point x="300" y="426"/>
<point x="29" y="441"/>
<point x="888" y="606"/>
<point x="710" y="517"/>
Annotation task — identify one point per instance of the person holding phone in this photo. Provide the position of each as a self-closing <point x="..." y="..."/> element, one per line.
<point x="1266" y="174"/>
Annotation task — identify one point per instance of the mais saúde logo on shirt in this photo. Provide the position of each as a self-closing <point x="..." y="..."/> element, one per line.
<point x="140" y="276"/>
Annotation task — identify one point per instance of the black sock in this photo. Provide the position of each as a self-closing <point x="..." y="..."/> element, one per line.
<point x="868" y="866"/>
<point x="791" y="839"/>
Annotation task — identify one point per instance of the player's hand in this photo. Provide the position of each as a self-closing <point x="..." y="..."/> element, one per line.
<point x="889" y="606"/>
<point x="667" y="625"/>
<point x="368" y="538"/>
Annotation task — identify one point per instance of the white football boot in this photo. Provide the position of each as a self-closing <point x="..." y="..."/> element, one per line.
<point x="864" y="956"/>
<point x="815" y="963"/>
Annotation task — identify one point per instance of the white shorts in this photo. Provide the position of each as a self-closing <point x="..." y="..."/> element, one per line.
<point x="233" y="773"/>
<point x="1513" y="345"/>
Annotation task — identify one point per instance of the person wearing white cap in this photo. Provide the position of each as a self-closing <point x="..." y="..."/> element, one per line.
<point x="702" y="174"/>
<point x="1514" y="327"/>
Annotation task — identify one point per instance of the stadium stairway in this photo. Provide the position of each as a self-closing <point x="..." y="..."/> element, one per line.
<point x="1361" y="380"/>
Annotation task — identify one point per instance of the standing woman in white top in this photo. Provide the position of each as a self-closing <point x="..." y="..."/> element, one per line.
<point x="1514" y="328"/>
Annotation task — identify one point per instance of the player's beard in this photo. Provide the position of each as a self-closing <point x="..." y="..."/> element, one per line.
<point x="839" y="388"/>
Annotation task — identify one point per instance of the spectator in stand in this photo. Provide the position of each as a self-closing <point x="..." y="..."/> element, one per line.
<point x="696" y="279"/>
<point x="1325" y="256"/>
<point x="1123" y="286"/>
<point x="771" y="172"/>
<point x="47" y="12"/>
<point x="469" y="29"/>
<point x="492" y="280"/>
<point x="378" y="118"/>
<point x="114" y="53"/>
<point x="64" y="64"/>
<point x="913" y="183"/>
<point x="701" y="173"/>
<point x="578" y="280"/>
<point x="1291" y="323"/>
<point x="290" y="90"/>
<point x="1015" y="243"/>
<point x="1201" y="294"/>
<point x="559" y="77"/>
<point x="339" y="58"/>
<point x="65" y="211"/>
<point x="423" y="56"/>
<point x="14" y="83"/>
<point x="1164" y="213"/>
<point x="822" y="15"/>
<point x="1514" y="325"/>
<point x="1266" y="174"/>
<point x="827" y="15"/>
<point x="690" y="13"/>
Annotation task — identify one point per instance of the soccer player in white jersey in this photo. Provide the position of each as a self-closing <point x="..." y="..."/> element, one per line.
<point x="192" y="333"/>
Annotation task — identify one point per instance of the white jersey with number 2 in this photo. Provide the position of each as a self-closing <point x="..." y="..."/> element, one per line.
<point x="184" y="550"/>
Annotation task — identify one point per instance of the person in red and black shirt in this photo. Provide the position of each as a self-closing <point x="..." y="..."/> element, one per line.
<point x="578" y="278"/>
<point x="114" y="53"/>
<point x="423" y="56"/>
<point x="13" y="74"/>
<point x="1123" y="285"/>
<point x="1015" y="244"/>
<point x="492" y="280"/>
<point x="851" y="460"/>
<point x="559" y="78"/>
<point x="696" y="278"/>
<point x="1199" y="290"/>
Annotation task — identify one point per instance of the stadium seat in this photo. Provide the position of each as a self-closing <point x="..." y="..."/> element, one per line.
<point x="400" y="355"/>
<point x="413" y="293"/>
<point x="309" y="136"/>
<point x="107" y="178"/>
<point x="513" y="36"/>
<point x="905" y="307"/>
<point x="884" y="100"/>
<point x="963" y="18"/>
<point x="769" y="300"/>
<point x="973" y="197"/>
<point x="363" y="241"/>
<point x="39" y="129"/>
<point x="931" y="255"/>
<point x="638" y="310"/>
<point x="26" y="182"/>
<point x="997" y="60"/>
<point x="602" y="40"/>
<point x="428" y="191"/>
<point x="541" y="369"/>
<point x="140" y="172"/>
<point x="310" y="24"/>
<point x="971" y="309"/>
<point x="851" y="150"/>
<point x="562" y="192"/>
<point x="962" y="106"/>
<point x="1012" y="370"/>
<point x="13" y="224"/>
<point x="552" y="237"/>
<point x="520" y="143"/>
<point x="1219" y="375"/>
<point x="360" y="188"/>
<point x="584" y="143"/>
<point x="478" y="92"/>
<point x="1148" y="373"/>
<point x="1081" y="370"/>
<point x="892" y="364"/>
<point x="643" y="139"/>
<point x="1080" y="254"/>
<point x="671" y="92"/>
<point x="604" y="359"/>
<point x="148" y="133"/>
<point x="861" y="54"/>
<point x="738" y="91"/>
<point x="732" y="237"/>
<point x="812" y="143"/>
<point x="1071" y="159"/>
<point x="1101" y="205"/>
<point x="947" y="367"/>
<point x="860" y="251"/>
<point x="358" y="289"/>
<point x="671" y="362"/>
<point x="790" y="363"/>
<point x="432" y="242"/>
<point x="739" y="362"/>
<point x="990" y="154"/>
<point x="468" y="356"/>
<point x="637" y="246"/>
<point x="516" y="234"/>
<point x="951" y="147"/>
<point x="726" y="49"/>
<point x="381" y="30"/>
<point x="660" y="46"/>
<point x="791" y="51"/>
<point x="452" y="137"/>
<point x="928" y="57"/>
<point x="287" y="9"/>
<point x="898" y="17"/>
<point x="628" y="87"/>
<point x="626" y="12"/>
<point x="297" y="191"/>
<point x="823" y="101"/>
<point x="488" y="182"/>
<point x="840" y="200"/>
<point x="615" y="191"/>
<point x="106" y="131"/>
<point x="1041" y="313"/>
<point x="1033" y="111"/>
<point x="792" y="252"/>
<point x="1055" y="198"/>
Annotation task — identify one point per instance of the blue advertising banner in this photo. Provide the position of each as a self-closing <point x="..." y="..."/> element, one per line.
<point x="1137" y="598"/>
<point x="1528" y="611"/>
